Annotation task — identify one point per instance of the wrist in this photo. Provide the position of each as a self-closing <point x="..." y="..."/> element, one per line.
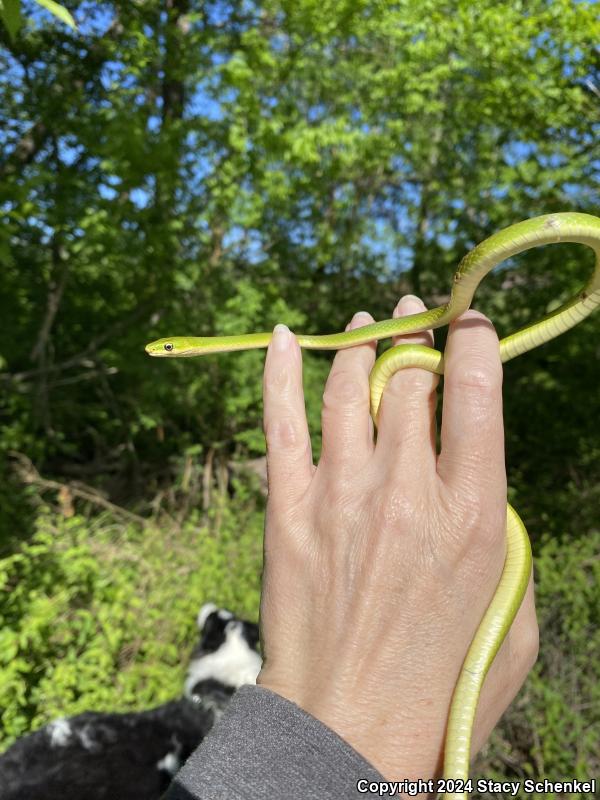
<point x="393" y="743"/>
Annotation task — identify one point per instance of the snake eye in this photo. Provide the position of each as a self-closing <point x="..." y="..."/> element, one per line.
<point x="168" y="347"/>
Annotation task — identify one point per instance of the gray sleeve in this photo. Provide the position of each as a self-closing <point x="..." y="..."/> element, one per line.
<point x="266" y="747"/>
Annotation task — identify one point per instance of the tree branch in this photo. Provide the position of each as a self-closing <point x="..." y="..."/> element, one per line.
<point x="30" y="476"/>
<point x="25" y="151"/>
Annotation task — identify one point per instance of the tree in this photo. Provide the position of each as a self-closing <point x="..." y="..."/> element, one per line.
<point x="178" y="166"/>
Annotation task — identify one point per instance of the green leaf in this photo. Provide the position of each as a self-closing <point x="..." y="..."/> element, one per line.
<point x="58" y="11"/>
<point x="10" y="11"/>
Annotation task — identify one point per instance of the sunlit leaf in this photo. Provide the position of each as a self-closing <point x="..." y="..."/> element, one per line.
<point x="59" y="11"/>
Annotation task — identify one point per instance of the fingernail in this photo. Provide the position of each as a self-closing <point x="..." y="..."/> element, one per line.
<point x="359" y="318"/>
<point x="281" y="337"/>
<point x="409" y="304"/>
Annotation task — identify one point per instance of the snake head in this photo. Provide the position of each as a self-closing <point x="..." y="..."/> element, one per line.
<point x="161" y="348"/>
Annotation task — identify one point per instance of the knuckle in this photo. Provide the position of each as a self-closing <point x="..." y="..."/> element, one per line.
<point x="478" y="524"/>
<point x="340" y="506"/>
<point x="479" y="377"/>
<point x="341" y="495"/>
<point x="395" y="508"/>
<point x="282" y="433"/>
<point x="465" y="510"/>
<point x="278" y="379"/>
<point x="344" y="388"/>
<point x="413" y="379"/>
<point x="291" y="542"/>
<point x="480" y="471"/>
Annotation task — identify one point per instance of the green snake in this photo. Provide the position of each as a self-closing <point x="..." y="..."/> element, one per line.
<point x="547" y="229"/>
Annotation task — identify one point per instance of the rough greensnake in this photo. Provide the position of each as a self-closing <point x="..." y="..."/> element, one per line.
<point x="548" y="229"/>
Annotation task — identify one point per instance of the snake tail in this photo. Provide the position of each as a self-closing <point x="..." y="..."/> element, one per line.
<point x="488" y="639"/>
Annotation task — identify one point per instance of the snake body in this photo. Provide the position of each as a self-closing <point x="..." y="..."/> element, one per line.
<point x="492" y="630"/>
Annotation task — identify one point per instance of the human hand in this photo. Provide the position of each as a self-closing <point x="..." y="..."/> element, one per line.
<point x="381" y="561"/>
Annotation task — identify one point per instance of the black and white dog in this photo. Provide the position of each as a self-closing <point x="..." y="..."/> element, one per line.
<point x="134" y="756"/>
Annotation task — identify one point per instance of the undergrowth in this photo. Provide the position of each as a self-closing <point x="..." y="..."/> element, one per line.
<point x="100" y="615"/>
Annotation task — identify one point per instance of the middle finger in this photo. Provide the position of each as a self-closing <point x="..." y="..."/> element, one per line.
<point x="346" y="424"/>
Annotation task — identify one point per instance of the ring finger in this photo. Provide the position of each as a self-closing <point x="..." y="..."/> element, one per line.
<point x="406" y="429"/>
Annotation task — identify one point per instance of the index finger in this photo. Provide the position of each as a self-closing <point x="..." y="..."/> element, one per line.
<point x="289" y="453"/>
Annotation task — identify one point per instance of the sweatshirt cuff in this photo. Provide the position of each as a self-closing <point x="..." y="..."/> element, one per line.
<point x="265" y="746"/>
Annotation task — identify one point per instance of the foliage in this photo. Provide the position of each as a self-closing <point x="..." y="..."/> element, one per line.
<point x="201" y="168"/>
<point x="551" y="730"/>
<point x="11" y="14"/>
<point x="99" y="615"/>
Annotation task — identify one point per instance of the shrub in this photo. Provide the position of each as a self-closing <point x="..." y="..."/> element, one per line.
<point x="100" y="616"/>
<point x="97" y="615"/>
